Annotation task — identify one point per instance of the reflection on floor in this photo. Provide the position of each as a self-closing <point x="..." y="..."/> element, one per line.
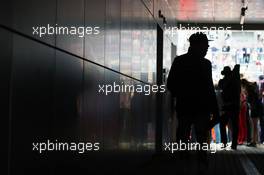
<point x="245" y="160"/>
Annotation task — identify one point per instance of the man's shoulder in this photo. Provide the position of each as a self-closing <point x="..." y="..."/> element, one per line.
<point x="184" y="59"/>
<point x="180" y="58"/>
<point x="206" y="61"/>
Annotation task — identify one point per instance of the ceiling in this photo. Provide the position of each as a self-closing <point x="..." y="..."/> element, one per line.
<point x="221" y="11"/>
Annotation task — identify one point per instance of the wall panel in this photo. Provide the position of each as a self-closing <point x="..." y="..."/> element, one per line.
<point x="32" y="13"/>
<point x="71" y="15"/>
<point x="112" y="38"/>
<point x="68" y="87"/>
<point x="31" y="102"/>
<point x="95" y="11"/>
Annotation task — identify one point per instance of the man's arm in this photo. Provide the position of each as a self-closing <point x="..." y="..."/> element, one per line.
<point x="213" y="101"/>
<point x="236" y="81"/>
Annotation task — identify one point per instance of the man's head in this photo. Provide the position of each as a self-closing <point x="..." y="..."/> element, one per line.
<point x="198" y="44"/>
<point x="226" y="71"/>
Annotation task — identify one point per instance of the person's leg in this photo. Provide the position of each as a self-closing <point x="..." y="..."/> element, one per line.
<point x="255" y="130"/>
<point x="244" y="126"/>
<point x="193" y="134"/>
<point x="202" y="132"/>
<point x="229" y="131"/>
<point x="184" y="128"/>
<point x="223" y="122"/>
<point x="217" y="133"/>
<point x="249" y="126"/>
<point x="262" y="129"/>
<point x="183" y="133"/>
<point x="234" y="120"/>
<point x="201" y="129"/>
<point x="240" y="133"/>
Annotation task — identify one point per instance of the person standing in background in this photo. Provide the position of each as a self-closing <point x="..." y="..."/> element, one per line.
<point x="220" y="104"/>
<point x="242" y="134"/>
<point x="261" y="93"/>
<point x="255" y="108"/>
<point x="231" y="88"/>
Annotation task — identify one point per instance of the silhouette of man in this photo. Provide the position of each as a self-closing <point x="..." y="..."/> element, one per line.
<point x="231" y="88"/>
<point x="190" y="81"/>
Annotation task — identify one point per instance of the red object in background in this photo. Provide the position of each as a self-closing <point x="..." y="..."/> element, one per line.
<point x="258" y="63"/>
<point x="242" y="131"/>
<point x="185" y="7"/>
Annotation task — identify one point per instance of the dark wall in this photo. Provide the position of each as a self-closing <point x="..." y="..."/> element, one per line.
<point x="50" y="94"/>
<point x="5" y="71"/>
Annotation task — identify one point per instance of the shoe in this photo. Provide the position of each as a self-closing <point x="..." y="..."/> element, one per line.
<point x="223" y="145"/>
<point x="234" y="147"/>
<point x="252" y="144"/>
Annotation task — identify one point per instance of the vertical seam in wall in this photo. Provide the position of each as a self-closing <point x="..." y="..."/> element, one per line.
<point x="103" y="111"/>
<point x="84" y="3"/>
<point x="83" y="76"/>
<point x="153" y="7"/>
<point x="120" y="36"/>
<point x="84" y="6"/>
<point x="10" y="107"/>
<point x="10" y="96"/>
<point x="56" y="18"/>
<point x="119" y="113"/>
<point x="54" y="72"/>
<point x="132" y="47"/>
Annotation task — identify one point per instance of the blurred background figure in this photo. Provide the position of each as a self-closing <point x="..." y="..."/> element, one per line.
<point x="231" y="87"/>
<point x="261" y="93"/>
<point x="242" y="134"/>
<point x="255" y="107"/>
